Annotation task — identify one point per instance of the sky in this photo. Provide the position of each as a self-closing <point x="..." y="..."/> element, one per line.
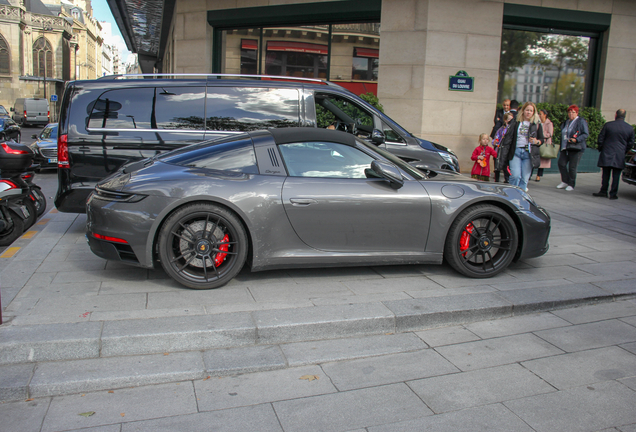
<point x="101" y="12"/>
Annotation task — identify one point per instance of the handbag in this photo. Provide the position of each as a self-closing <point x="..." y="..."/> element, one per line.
<point x="549" y="151"/>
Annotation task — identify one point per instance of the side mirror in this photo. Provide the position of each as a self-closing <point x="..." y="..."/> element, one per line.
<point x="377" y="137"/>
<point x="34" y="136"/>
<point x="388" y="172"/>
<point x="11" y="109"/>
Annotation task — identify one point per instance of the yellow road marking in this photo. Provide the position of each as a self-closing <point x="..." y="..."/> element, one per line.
<point x="44" y="221"/>
<point x="29" y="234"/>
<point x="10" y="252"/>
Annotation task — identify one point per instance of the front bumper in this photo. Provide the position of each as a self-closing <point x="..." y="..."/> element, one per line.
<point x="536" y="223"/>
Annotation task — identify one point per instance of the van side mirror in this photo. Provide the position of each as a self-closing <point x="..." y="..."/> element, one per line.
<point x="377" y="137"/>
<point x="11" y="109"/>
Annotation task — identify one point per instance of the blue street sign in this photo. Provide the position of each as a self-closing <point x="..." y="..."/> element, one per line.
<point x="461" y="82"/>
<point x="53" y="98"/>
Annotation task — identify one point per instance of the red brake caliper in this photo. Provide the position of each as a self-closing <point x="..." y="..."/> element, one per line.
<point x="218" y="259"/>
<point x="464" y="240"/>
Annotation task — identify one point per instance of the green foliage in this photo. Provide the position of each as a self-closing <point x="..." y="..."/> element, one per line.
<point x="372" y="99"/>
<point x="558" y="114"/>
<point x="324" y="118"/>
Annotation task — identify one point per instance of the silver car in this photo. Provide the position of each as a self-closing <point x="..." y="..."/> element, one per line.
<point x="304" y="197"/>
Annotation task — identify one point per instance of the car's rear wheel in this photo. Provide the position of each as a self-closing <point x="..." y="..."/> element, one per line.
<point x="202" y="246"/>
<point x="481" y="242"/>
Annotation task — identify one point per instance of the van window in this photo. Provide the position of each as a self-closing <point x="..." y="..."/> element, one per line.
<point x="247" y="109"/>
<point x="343" y="114"/>
<point x="149" y="108"/>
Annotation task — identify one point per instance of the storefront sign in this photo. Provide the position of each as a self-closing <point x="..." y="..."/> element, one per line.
<point x="461" y="82"/>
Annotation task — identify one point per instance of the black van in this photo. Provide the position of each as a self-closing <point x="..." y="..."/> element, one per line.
<point x="114" y="120"/>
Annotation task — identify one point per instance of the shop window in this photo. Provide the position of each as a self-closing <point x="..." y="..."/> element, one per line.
<point x="559" y="62"/>
<point x="249" y="57"/>
<point x="296" y="59"/>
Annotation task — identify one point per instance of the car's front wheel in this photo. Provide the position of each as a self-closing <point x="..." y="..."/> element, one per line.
<point x="202" y="246"/>
<point x="481" y="242"/>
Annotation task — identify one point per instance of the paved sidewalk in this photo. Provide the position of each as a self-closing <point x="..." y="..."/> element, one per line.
<point x="566" y="370"/>
<point x="75" y="324"/>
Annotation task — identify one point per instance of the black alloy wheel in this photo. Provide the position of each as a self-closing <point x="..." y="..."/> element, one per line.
<point x="202" y="246"/>
<point x="482" y="241"/>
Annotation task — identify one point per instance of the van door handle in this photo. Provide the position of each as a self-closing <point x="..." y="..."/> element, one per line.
<point x="302" y="202"/>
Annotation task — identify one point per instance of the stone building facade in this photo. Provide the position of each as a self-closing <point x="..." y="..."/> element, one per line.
<point x="40" y="45"/>
<point x="421" y="44"/>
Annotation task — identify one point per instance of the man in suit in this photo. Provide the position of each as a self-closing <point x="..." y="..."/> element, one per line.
<point x="614" y="141"/>
<point x="499" y="117"/>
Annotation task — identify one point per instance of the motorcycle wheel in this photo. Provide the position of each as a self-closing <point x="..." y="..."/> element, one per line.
<point x="13" y="230"/>
<point x="40" y="200"/>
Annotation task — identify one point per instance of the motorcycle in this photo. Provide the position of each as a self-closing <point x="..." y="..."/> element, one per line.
<point x="18" y="210"/>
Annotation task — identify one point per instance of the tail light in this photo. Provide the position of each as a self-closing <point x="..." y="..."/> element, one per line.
<point x="7" y="184"/>
<point x="24" y="113"/>
<point x="62" y="151"/>
<point x="10" y="150"/>
<point x="48" y="114"/>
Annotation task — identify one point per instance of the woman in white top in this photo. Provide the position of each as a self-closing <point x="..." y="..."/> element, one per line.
<point x="520" y="145"/>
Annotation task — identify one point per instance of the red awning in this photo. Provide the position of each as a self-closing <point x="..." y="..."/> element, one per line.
<point x="297" y="47"/>
<point x="249" y="44"/>
<point x="367" y="52"/>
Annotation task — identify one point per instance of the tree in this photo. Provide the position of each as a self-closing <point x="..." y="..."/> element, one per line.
<point x="516" y="51"/>
<point x="558" y="51"/>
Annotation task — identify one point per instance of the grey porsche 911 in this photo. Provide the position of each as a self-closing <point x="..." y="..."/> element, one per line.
<point x="304" y="197"/>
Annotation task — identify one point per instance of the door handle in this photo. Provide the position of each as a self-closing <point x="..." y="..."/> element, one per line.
<point x="302" y="202"/>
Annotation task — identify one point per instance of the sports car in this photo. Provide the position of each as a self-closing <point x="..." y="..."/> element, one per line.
<point x="304" y="197"/>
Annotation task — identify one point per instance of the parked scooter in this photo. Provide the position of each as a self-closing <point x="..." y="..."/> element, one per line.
<point x="18" y="205"/>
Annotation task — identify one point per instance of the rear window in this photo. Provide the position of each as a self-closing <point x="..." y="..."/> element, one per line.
<point x="228" y="154"/>
<point x="180" y="108"/>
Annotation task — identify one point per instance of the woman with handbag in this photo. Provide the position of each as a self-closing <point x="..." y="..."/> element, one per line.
<point x="574" y="133"/>
<point x="544" y="150"/>
<point x="520" y="145"/>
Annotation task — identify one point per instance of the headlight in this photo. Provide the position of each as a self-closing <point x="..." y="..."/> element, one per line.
<point x="451" y="160"/>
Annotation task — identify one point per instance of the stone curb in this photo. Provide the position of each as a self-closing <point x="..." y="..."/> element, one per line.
<point x="143" y="352"/>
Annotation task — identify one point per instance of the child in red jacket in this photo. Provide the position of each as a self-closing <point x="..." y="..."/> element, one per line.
<point x="481" y="156"/>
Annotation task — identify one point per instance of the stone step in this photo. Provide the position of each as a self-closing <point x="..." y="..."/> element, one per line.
<point x="43" y="379"/>
<point x="86" y="340"/>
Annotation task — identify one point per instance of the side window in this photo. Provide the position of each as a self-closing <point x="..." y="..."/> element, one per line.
<point x="149" y="108"/>
<point x="247" y="109"/>
<point x="343" y="114"/>
<point x="224" y="155"/>
<point x="390" y="134"/>
<point x="324" y="159"/>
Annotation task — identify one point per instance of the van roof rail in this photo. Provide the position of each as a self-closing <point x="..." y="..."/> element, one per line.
<point x="179" y="75"/>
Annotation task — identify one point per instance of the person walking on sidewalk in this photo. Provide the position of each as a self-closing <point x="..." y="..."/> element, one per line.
<point x="520" y="146"/>
<point x="574" y="134"/>
<point x="614" y="141"/>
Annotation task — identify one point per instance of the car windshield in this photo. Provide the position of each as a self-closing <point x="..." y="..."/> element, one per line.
<point x="415" y="173"/>
<point x="1" y="122"/>
<point x="3" y="110"/>
<point x="49" y="132"/>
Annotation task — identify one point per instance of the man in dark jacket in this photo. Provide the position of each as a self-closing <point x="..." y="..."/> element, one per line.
<point x="499" y="121"/>
<point x="614" y="141"/>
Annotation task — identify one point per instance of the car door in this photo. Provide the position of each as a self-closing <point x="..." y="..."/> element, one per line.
<point x="333" y="206"/>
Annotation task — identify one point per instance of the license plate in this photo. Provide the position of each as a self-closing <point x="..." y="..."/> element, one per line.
<point x="53" y="160"/>
<point x="25" y="211"/>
